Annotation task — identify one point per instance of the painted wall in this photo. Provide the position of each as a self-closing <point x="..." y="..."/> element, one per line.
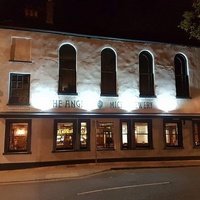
<point x="44" y="85"/>
<point x="44" y="75"/>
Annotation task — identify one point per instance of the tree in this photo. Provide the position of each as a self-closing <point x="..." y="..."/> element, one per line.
<point x="191" y="21"/>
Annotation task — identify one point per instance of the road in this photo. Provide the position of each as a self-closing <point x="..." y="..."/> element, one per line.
<point x="132" y="184"/>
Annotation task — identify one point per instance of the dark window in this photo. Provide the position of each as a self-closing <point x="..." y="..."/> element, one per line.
<point x="173" y="133"/>
<point x="196" y="133"/>
<point x="136" y="134"/>
<point x="71" y="135"/>
<point x="108" y="72"/>
<point x="67" y="69"/>
<point x="19" y="89"/>
<point x="181" y="76"/>
<point x="146" y="82"/>
<point x="18" y="136"/>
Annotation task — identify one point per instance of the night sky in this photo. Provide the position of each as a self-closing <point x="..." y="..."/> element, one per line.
<point x="154" y="20"/>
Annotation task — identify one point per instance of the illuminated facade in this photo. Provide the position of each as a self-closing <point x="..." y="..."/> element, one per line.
<point x="74" y="98"/>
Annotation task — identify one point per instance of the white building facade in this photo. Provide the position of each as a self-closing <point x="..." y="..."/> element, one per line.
<point x="68" y="98"/>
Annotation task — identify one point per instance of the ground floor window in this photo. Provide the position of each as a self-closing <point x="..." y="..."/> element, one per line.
<point x="173" y="133"/>
<point x="18" y="136"/>
<point x="71" y="134"/>
<point x="196" y="133"/>
<point x="136" y="133"/>
<point x="104" y="135"/>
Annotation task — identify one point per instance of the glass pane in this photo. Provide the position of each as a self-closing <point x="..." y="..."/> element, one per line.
<point x="108" y="83"/>
<point x="67" y="81"/>
<point x="196" y="133"/>
<point x="124" y="134"/>
<point x="105" y="135"/>
<point x="83" y="135"/>
<point x="18" y="136"/>
<point x="141" y="133"/>
<point x="64" y="138"/>
<point x="171" y="134"/>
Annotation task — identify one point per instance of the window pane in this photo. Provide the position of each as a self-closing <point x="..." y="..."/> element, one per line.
<point x="108" y="72"/>
<point x="125" y="135"/>
<point x="67" y="81"/>
<point x="67" y="69"/>
<point x="108" y="83"/>
<point x="18" y="136"/>
<point x="141" y="133"/>
<point x="146" y="74"/>
<point x="19" y="89"/>
<point x="196" y="132"/>
<point x="181" y="76"/>
<point x="171" y="134"/>
<point x="105" y="135"/>
<point x="64" y="139"/>
<point x="83" y="135"/>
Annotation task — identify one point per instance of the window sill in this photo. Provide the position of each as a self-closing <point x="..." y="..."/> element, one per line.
<point x="63" y="151"/>
<point x="17" y="153"/>
<point x="15" y="104"/>
<point x="109" y="95"/>
<point x="21" y="61"/>
<point x="173" y="147"/>
<point x="68" y="93"/>
<point x="183" y="97"/>
<point x="147" y="96"/>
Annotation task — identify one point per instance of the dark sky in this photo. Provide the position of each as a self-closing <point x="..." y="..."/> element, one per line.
<point x="155" y="20"/>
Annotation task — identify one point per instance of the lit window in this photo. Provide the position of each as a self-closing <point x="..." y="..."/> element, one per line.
<point x="196" y="133"/>
<point x="105" y="135"/>
<point x="20" y="49"/>
<point x="67" y="70"/>
<point x="173" y="134"/>
<point x="181" y="76"/>
<point x="139" y="135"/>
<point x="146" y="81"/>
<point x="18" y="136"/>
<point x="124" y="130"/>
<point x="71" y="135"/>
<point x="84" y="134"/>
<point x="108" y="72"/>
<point x="65" y="135"/>
<point x="19" y="89"/>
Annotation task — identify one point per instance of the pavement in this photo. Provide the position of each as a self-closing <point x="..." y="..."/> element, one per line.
<point x="62" y="172"/>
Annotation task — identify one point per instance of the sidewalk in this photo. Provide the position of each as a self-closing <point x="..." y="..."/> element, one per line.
<point x="82" y="170"/>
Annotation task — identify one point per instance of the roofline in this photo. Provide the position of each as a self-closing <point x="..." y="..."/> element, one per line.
<point x="91" y="36"/>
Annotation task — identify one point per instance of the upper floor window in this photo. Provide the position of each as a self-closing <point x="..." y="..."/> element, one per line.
<point x="181" y="76"/>
<point x="20" y="49"/>
<point x="146" y="81"/>
<point x="108" y="72"/>
<point x="19" y="89"/>
<point x="18" y="136"/>
<point x="67" y="70"/>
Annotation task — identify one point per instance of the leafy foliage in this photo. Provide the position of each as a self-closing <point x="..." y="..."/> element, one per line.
<point x="191" y="21"/>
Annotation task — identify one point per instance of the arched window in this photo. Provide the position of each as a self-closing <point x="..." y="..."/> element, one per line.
<point x="146" y="82"/>
<point x="108" y="72"/>
<point x="67" y="70"/>
<point x="181" y="76"/>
